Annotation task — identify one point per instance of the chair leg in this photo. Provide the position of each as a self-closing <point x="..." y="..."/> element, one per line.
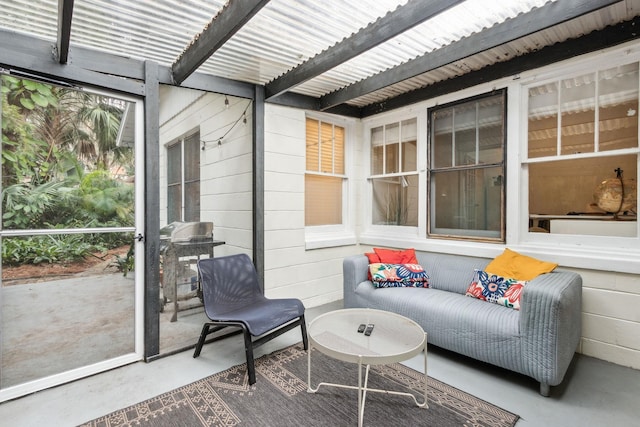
<point x="203" y="336"/>
<point x="303" y="326"/>
<point x="248" y="348"/>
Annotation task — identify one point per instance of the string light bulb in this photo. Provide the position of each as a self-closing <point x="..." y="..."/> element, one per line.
<point x="242" y="117"/>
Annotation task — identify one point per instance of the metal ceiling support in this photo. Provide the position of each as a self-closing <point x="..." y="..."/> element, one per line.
<point x="221" y="28"/>
<point x="392" y="24"/>
<point x="528" y="23"/>
<point x="65" y="14"/>
<point x="596" y="40"/>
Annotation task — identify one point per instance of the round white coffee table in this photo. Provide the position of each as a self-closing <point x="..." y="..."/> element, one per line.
<point x="394" y="338"/>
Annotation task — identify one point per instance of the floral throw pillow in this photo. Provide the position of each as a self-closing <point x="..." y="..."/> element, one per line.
<point x="496" y="289"/>
<point x="398" y="275"/>
<point x="511" y="297"/>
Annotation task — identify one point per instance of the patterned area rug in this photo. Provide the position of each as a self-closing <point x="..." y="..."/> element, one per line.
<point x="280" y="398"/>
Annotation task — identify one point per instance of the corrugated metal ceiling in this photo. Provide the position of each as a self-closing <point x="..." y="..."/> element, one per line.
<point x="594" y="21"/>
<point x="286" y="33"/>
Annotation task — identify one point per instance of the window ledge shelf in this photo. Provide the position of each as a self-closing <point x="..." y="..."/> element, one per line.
<point x="329" y="240"/>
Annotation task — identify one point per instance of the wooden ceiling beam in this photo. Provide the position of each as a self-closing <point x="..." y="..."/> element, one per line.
<point x="65" y="15"/>
<point x="597" y="40"/>
<point x="528" y="23"/>
<point x="392" y="24"/>
<point x="221" y="28"/>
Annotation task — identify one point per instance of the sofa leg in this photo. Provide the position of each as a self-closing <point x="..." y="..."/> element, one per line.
<point x="545" y="389"/>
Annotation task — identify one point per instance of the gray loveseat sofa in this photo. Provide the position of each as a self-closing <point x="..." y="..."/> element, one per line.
<point x="539" y="340"/>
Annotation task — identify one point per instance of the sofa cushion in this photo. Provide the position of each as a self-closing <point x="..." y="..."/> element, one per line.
<point x="373" y="258"/>
<point x="518" y="266"/>
<point x="496" y="289"/>
<point x="398" y="275"/>
<point x="511" y="298"/>
<point x="390" y="256"/>
<point x="451" y="320"/>
<point x="448" y="272"/>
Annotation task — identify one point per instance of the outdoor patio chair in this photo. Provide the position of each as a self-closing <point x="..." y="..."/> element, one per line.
<point x="232" y="298"/>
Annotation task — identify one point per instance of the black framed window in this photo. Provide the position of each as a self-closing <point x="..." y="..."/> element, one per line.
<point x="467" y="168"/>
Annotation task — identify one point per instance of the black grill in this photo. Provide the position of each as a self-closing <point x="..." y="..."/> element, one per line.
<point x="182" y="244"/>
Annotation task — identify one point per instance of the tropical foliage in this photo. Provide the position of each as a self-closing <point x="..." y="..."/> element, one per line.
<point x="62" y="169"/>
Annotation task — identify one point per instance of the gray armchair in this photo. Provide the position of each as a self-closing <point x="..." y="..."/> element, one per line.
<point x="232" y="298"/>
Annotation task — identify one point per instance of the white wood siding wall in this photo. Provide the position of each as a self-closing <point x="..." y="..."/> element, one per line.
<point x="314" y="276"/>
<point x="225" y="169"/>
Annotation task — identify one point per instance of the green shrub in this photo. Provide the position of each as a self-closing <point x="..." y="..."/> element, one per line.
<point x="45" y="249"/>
<point x="97" y="202"/>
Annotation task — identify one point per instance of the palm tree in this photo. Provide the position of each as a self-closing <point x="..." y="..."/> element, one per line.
<point x="102" y="116"/>
<point x="70" y="120"/>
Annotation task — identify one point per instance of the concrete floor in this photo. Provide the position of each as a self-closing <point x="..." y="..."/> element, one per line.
<point x="595" y="393"/>
<point x="56" y="326"/>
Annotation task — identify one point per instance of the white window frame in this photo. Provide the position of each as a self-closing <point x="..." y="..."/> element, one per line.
<point x="325" y="236"/>
<point x="390" y="234"/>
<point x="386" y="175"/>
<point x="585" y="251"/>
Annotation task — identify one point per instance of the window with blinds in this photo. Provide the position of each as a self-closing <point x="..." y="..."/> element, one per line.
<point x="325" y="173"/>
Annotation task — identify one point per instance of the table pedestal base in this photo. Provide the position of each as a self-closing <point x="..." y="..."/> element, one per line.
<point x="363" y="389"/>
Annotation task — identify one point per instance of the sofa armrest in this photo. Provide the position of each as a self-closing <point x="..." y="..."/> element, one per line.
<point x="550" y="325"/>
<point x="355" y="270"/>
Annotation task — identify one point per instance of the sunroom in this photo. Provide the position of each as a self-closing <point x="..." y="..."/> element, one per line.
<point x="304" y="132"/>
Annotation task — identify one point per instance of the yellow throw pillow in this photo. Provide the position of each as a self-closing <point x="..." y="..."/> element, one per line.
<point x="520" y="267"/>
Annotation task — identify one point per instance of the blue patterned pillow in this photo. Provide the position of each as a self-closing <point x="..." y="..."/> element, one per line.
<point x="398" y="275"/>
<point x="496" y="289"/>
